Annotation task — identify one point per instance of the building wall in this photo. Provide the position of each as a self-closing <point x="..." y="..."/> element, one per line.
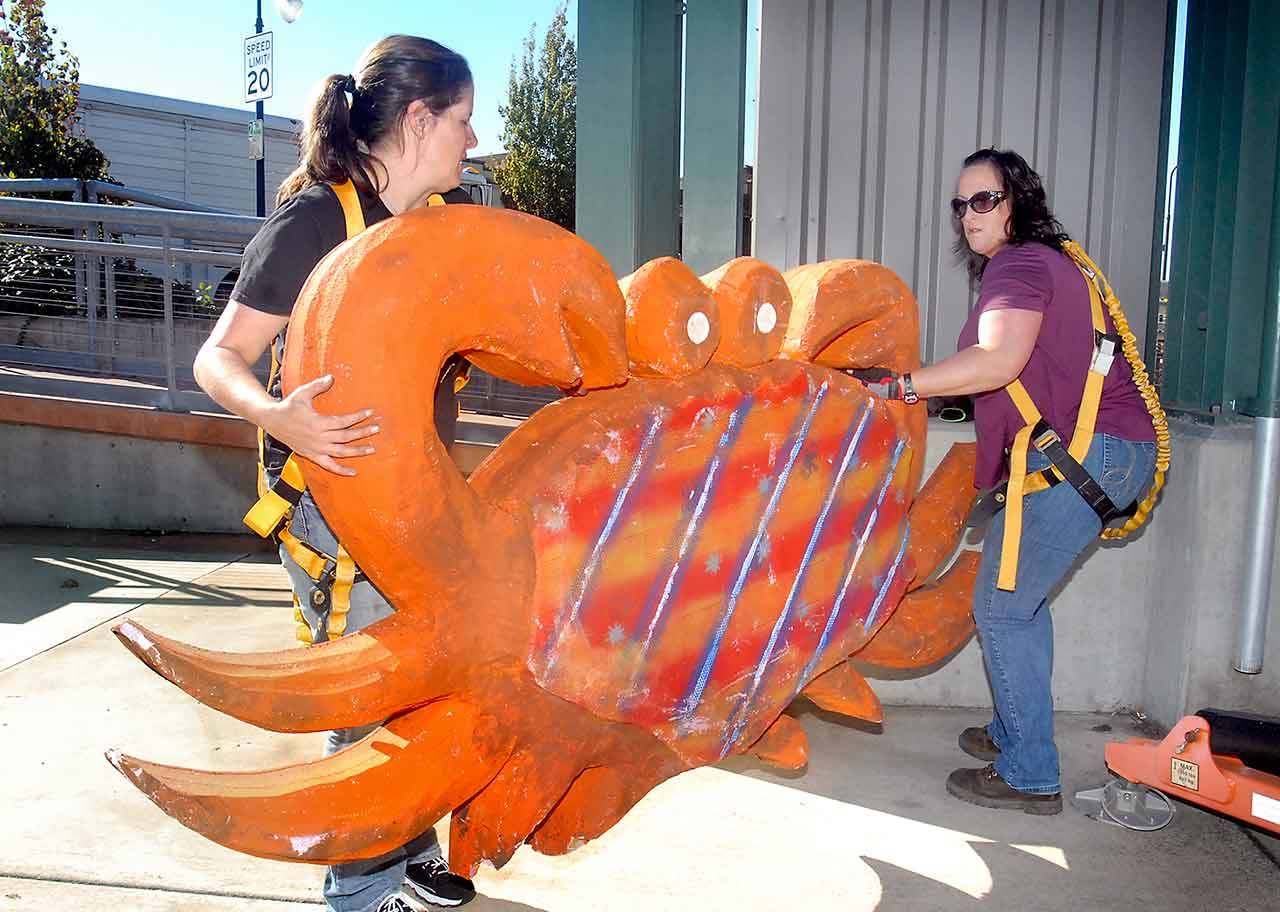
<point x="185" y="150"/>
<point x="868" y="107"/>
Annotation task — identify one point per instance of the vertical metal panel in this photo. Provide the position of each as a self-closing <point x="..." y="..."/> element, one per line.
<point x="714" y="102"/>
<point x="1205" y="220"/>
<point x="628" y="128"/>
<point x="1251" y="382"/>
<point x="867" y="108"/>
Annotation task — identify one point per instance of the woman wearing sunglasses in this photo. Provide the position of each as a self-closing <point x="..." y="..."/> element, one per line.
<point x="1032" y="323"/>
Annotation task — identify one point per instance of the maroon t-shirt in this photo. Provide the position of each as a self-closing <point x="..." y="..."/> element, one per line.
<point x="1032" y="276"/>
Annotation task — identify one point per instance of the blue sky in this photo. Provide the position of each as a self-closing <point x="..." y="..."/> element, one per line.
<point x="194" y="50"/>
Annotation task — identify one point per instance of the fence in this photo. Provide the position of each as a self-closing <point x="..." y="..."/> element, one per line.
<point x="124" y="296"/>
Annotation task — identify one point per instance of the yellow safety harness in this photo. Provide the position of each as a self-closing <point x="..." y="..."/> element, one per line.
<point x="334" y="574"/>
<point x="1066" y="461"/>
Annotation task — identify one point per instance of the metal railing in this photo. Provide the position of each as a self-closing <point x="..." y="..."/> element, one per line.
<point x="122" y="297"/>
<point x="115" y="292"/>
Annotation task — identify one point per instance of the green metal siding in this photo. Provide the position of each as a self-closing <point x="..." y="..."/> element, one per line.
<point x="1222" y="222"/>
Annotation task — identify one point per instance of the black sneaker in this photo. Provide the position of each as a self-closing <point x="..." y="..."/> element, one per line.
<point x="435" y="883"/>
<point x="400" y="902"/>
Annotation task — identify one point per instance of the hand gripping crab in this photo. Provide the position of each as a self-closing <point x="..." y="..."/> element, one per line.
<point x="638" y="581"/>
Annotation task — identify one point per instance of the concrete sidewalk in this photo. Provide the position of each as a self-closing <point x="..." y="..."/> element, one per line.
<point x="867" y="826"/>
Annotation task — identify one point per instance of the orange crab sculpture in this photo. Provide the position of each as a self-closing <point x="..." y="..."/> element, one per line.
<point x="638" y="581"/>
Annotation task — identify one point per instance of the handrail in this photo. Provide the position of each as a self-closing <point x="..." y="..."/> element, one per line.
<point x="92" y="190"/>
<point x="64" y="213"/>
<point x="111" y="248"/>
<point x="95" y="188"/>
<point x="42" y="185"/>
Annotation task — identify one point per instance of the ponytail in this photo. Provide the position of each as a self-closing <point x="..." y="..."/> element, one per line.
<point x="329" y="152"/>
<point x="338" y="134"/>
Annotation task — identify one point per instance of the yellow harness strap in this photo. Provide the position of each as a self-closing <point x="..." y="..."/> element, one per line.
<point x="270" y="516"/>
<point x="1020" y="483"/>
<point x="351" y="211"/>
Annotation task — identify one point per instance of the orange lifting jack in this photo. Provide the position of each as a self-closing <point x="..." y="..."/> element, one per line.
<point x="1185" y="765"/>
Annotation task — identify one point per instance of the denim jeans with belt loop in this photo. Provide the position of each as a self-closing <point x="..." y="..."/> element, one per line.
<point x="1016" y="628"/>
<point x="358" y="886"/>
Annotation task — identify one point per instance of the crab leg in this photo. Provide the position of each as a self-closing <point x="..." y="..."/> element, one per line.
<point x="599" y="798"/>
<point x="930" y="623"/>
<point x="934" y="620"/>
<point x="356" y="680"/>
<point x="783" y="745"/>
<point x="358" y="803"/>
<point x="938" y="511"/>
<point x="497" y="821"/>
<point x="842" y="690"/>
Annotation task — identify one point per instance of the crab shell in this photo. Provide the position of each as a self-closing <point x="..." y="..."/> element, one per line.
<point x="638" y="581"/>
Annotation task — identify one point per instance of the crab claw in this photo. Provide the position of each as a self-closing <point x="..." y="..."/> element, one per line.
<point x="855" y="314"/>
<point x="353" y="681"/>
<point x="358" y="803"/>
<point x="516" y="295"/>
<point x="852" y="314"/>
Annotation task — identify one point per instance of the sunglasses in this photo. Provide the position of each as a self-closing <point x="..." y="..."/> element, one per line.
<point x="981" y="202"/>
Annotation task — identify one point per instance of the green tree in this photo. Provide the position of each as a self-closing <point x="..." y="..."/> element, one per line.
<point x="39" y="93"/>
<point x="540" y="126"/>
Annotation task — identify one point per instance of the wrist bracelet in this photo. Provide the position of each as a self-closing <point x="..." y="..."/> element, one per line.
<point x="908" y="390"/>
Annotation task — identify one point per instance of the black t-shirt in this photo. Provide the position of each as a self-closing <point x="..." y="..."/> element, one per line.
<point x="291" y="242"/>
<point x="276" y="263"/>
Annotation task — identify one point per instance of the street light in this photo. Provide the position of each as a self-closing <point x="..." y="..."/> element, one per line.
<point x="289" y="11"/>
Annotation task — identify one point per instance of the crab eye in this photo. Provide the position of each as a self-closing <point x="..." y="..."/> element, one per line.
<point x="698" y="327"/>
<point x="766" y="318"/>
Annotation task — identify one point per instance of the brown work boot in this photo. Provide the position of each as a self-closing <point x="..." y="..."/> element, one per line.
<point x="986" y="788"/>
<point x="978" y="744"/>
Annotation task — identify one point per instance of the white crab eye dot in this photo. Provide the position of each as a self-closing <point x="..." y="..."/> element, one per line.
<point x="698" y="327"/>
<point x="766" y="318"/>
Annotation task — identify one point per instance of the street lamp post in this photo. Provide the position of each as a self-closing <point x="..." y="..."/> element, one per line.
<point x="289" y="11"/>
<point x="262" y="162"/>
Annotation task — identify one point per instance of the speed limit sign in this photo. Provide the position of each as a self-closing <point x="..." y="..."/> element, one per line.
<point x="258" y="81"/>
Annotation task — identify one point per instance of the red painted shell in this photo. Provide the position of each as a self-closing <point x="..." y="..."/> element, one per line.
<point x="705" y="548"/>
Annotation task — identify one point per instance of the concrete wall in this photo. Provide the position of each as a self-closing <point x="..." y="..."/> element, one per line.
<point x="82" y="479"/>
<point x="1150" y="623"/>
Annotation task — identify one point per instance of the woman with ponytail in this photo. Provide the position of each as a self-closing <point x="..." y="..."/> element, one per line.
<point x="398" y="129"/>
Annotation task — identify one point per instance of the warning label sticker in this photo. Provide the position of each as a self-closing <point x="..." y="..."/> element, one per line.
<point x="1185" y="774"/>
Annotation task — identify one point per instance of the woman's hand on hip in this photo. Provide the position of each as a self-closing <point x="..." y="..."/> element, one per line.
<point x="323" y="439"/>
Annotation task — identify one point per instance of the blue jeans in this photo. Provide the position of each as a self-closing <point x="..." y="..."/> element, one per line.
<point x="1016" y="629"/>
<point x="358" y="886"/>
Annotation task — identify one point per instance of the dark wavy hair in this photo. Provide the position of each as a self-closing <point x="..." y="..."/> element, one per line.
<point x="392" y="74"/>
<point x="1029" y="215"/>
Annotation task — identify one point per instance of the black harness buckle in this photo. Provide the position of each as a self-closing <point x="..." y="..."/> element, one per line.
<point x="1047" y="442"/>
